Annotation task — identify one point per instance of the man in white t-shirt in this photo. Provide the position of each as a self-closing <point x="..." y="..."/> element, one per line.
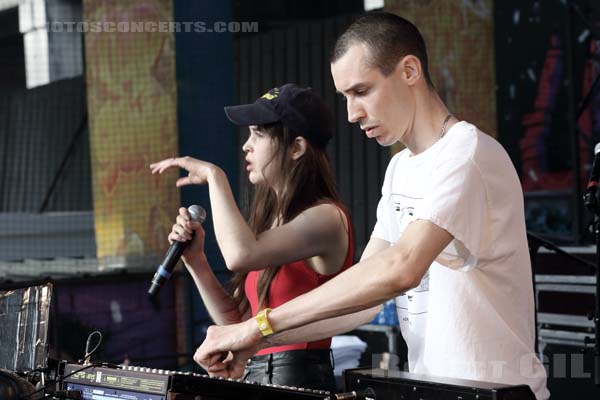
<point x="449" y="244"/>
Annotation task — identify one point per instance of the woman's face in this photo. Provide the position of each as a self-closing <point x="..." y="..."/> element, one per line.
<point x="260" y="149"/>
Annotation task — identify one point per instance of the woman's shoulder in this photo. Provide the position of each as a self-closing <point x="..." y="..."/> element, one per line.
<point x="326" y="207"/>
<point x="327" y="213"/>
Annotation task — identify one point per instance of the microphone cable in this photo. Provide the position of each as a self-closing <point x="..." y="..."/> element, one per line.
<point x="86" y="359"/>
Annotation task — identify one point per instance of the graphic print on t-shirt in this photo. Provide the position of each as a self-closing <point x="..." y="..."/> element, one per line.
<point x="412" y="305"/>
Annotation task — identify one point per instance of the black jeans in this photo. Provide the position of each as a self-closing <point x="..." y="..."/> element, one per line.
<point x="311" y="369"/>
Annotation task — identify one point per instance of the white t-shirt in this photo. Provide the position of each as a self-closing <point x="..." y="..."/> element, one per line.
<point x="472" y="316"/>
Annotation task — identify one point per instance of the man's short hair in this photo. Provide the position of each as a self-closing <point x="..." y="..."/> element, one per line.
<point x="388" y="37"/>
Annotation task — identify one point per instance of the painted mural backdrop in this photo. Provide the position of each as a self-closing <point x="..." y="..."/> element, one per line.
<point x="132" y="116"/>
<point x="460" y="42"/>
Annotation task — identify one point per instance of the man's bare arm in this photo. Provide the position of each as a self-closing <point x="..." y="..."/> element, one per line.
<point x="332" y="326"/>
<point x="322" y="329"/>
<point x="374" y="280"/>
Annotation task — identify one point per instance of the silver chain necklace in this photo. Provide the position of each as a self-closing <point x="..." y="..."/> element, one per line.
<point x="444" y="124"/>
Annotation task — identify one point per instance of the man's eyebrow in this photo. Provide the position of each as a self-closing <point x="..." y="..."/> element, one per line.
<point x="352" y="88"/>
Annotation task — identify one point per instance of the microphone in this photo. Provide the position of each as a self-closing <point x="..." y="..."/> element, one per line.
<point x="163" y="273"/>
<point x="590" y="198"/>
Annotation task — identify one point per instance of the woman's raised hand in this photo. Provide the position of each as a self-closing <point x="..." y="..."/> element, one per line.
<point x="198" y="171"/>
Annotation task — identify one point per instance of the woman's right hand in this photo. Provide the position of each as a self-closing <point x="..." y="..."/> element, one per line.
<point x="182" y="231"/>
<point x="199" y="172"/>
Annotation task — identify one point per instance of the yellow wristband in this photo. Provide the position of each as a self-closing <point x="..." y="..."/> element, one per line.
<point x="263" y="322"/>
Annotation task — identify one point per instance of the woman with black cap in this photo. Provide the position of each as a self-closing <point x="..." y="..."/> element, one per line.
<point x="297" y="238"/>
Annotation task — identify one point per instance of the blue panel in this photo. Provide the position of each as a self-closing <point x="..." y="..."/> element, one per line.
<point x="204" y="86"/>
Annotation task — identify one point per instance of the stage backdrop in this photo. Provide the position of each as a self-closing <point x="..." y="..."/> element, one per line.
<point x="460" y="42"/>
<point x="132" y="119"/>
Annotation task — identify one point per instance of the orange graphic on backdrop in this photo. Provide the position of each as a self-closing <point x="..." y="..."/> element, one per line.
<point x="133" y="121"/>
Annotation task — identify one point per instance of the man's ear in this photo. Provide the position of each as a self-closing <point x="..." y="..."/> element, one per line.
<point x="410" y="68"/>
<point x="298" y="148"/>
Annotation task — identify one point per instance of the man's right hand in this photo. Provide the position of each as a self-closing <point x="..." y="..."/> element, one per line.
<point x="226" y="348"/>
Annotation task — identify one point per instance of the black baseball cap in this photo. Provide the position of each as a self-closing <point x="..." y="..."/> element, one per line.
<point x="298" y="108"/>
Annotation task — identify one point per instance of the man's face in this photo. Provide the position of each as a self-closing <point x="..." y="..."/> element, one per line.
<point x="382" y="105"/>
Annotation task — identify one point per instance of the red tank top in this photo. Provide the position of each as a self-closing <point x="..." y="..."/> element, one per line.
<point x="293" y="280"/>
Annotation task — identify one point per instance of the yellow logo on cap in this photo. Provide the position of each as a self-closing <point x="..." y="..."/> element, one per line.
<point x="270" y="95"/>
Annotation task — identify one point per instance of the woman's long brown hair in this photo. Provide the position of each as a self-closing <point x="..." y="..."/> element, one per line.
<point x="306" y="182"/>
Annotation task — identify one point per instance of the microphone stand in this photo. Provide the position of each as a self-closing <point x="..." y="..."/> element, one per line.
<point x="591" y="200"/>
<point x="595" y="316"/>
<point x="537" y="241"/>
<point x="591" y="197"/>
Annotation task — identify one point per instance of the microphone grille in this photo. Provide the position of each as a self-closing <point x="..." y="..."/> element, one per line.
<point x="197" y="213"/>
<point x="597" y="149"/>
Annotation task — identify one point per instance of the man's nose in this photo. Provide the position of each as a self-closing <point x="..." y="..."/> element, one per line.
<point x="355" y="111"/>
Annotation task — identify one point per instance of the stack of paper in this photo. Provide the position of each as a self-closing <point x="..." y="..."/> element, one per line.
<point x="347" y="351"/>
